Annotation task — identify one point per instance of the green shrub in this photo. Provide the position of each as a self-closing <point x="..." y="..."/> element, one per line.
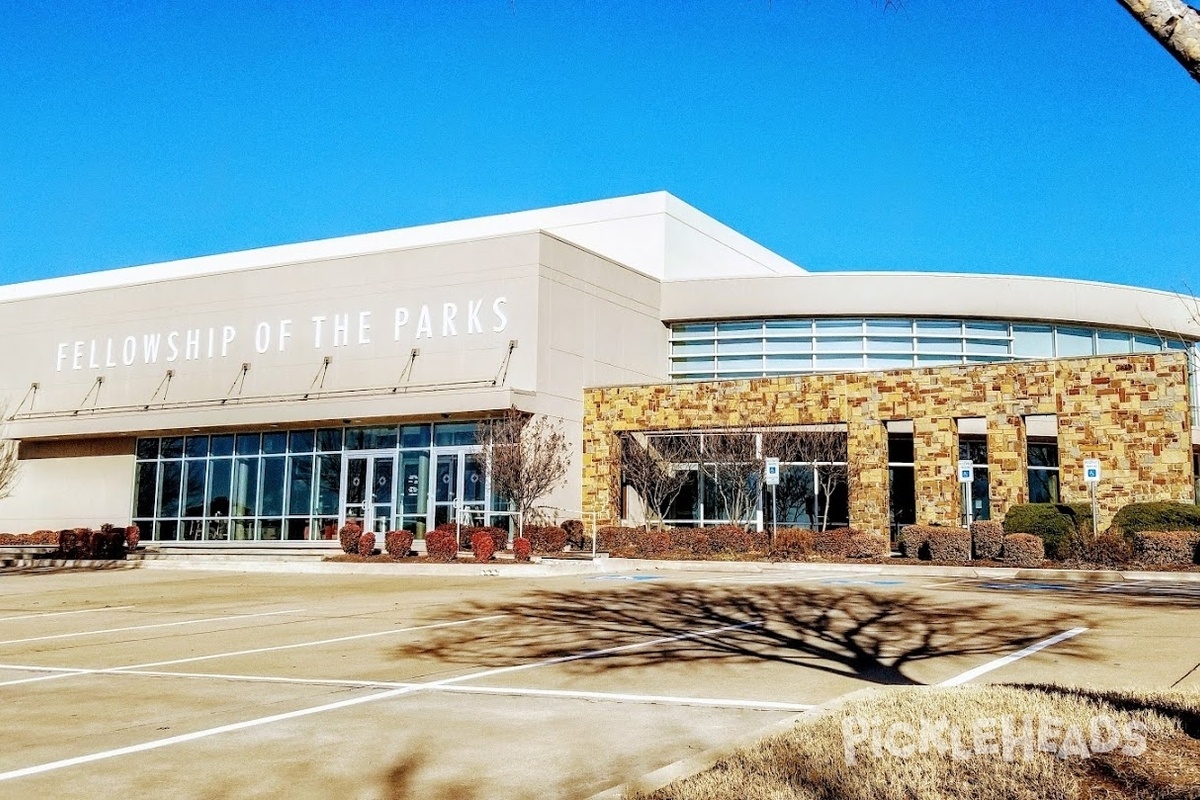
<point x="1083" y="518"/>
<point x="1158" y="516"/>
<point x="1024" y="549"/>
<point x="1053" y="524"/>
<point x="987" y="539"/>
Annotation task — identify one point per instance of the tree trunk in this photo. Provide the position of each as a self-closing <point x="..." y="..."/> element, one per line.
<point x="1175" y="25"/>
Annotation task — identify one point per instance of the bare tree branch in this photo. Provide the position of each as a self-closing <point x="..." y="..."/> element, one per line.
<point x="526" y="457"/>
<point x="649" y="467"/>
<point x="8" y="459"/>
<point x="1175" y="25"/>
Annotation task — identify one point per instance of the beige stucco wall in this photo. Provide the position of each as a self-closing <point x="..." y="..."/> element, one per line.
<point x="1131" y="412"/>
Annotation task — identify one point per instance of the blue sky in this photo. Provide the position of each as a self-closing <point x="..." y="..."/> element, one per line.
<point x="1037" y="138"/>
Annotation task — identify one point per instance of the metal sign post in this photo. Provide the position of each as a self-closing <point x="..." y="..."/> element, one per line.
<point x="1091" y="476"/>
<point x="966" y="476"/>
<point x="771" y="478"/>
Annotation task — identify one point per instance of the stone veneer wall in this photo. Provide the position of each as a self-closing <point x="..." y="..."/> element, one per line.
<point x="1130" y="411"/>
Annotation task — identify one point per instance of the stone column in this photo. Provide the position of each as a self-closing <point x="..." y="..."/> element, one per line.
<point x="935" y="457"/>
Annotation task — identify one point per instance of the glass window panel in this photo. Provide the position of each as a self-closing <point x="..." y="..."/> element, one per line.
<point x="1033" y="341"/>
<point x="686" y="506"/>
<point x="1043" y="454"/>
<point x="196" y="447"/>
<point x="166" y="531"/>
<point x="889" y="327"/>
<point x="329" y="483"/>
<point x="244" y="491"/>
<point x="933" y="361"/>
<point x="900" y="448"/>
<point x="740" y="363"/>
<point x="783" y="327"/>
<point x="473" y="479"/>
<point x="241" y="529"/>
<point x="1146" y="344"/>
<point x="414" y="435"/>
<point x="452" y="434"/>
<point x="356" y="477"/>
<point x="300" y="475"/>
<point x="973" y="449"/>
<point x="221" y="445"/>
<point x="878" y="344"/>
<point x="168" y="487"/>
<point x="902" y="495"/>
<point x="193" y="492"/>
<point x="930" y="345"/>
<point x="270" y="529"/>
<point x="301" y="441"/>
<point x="691" y="348"/>
<point x="939" y="326"/>
<point x="980" y="328"/>
<point x="1074" y="342"/>
<point x="795" y="496"/>
<point x="705" y="362"/>
<point x="219" y="474"/>
<point x="995" y="347"/>
<point x="691" y="330"/>
<point x="833" y="327"/>
<point x="354" y="439"/>
<point x="889" y="362"/>
<point x="1043" y="486"/>
<point x="414" y="482"/>
<point x="826" y="362"/>
<point x="739" y="328"/>
<point x="838" y="344"/>
<point x="329" y="440"/>
<point x="380" y="437"/>
<point x="1175" y="344"/>
<point x="172" y="446"/>
<point x="275" y="442"/>
<point x="692" y="376"/>
<point x="147" y="448"/>
<point x="791" y="345"/>
<point x="147" y="488"/>
<point x="740" y="346"/>
<point x="272" y="480"/>
<point x="247" y="444"/>
<point x="777" y="363"/>
<point x="297" y="529"/>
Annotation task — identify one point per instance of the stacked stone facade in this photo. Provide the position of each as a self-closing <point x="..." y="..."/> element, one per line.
<point x="1131" y="412"/>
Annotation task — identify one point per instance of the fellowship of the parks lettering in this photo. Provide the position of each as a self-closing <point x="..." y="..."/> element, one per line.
<point x="321" y="331"/>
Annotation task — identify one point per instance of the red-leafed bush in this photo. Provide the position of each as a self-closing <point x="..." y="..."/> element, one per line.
<point x="613" y="539"/>
<point x="987" y="539"/>
<point x="24" y="539"/>
<point x="1024" y="549"/>
<point x="1109" y="549"/>
<point x="398" y="543"/>
<point x="833" y="543"/>
<point x="1165" y="547"/>
<point x="545" y="539"/>
<point x="793" y="544"/>
<point x="68" y="544"/>
<point x="499" y="536"/>
<point x="914" y="540"/>
<point x="366" y="544"/>
<point x="949" y="544"/>
<point x="441" y="545"/>
<point x="692" y="541"/>
<point x="655" y="543"/>
<point x="869" y="545"/>
<point x="574" y="529"/>
<point x="348" y="536"/>
<point x="522" y="549"/>
<point x="730" y="539"/>
<point x="44" y="537"/>
<point x="482" y="545"/>
<point x="133" y="536"/>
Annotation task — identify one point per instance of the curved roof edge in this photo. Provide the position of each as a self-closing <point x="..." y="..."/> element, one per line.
<point x="655" y="233"/>
<point x="934" y="294"/>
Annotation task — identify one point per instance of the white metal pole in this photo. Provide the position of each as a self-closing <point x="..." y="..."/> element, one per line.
<point x="1095" y="511"/>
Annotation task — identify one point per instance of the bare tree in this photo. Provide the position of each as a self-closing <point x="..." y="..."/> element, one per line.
<point x="526" y="456"/>
<point x="732" y="466"/>
<point x="8" y="459"/>
<point x="650" y="466"/>
<point x="1175" y="25"/>
<point x="826" y="449"/>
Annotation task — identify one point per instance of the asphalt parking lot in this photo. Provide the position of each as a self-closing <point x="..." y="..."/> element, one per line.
<point x="140" y="683"/>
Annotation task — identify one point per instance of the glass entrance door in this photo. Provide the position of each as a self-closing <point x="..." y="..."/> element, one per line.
<point x="459" y="487"/>
<point x="368" y="491"/>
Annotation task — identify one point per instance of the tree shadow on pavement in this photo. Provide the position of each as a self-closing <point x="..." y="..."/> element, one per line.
<point x="865" y="634"/>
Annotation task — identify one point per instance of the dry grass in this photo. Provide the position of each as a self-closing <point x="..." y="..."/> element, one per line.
<point x="809" y="761"/>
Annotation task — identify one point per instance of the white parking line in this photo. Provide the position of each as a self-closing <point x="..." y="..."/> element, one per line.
<point x="304" y="712"/>
<point x="971" y="674"/>
<point x="944" y="583"/>
<point x="757" y="579"/>
<point x="148" y="627"/>
<point x="64" y="613"/>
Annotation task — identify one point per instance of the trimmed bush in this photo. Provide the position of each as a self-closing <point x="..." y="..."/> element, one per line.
<point x="614" y="539"/>
<point x="692" y="541"/>
<point x="869" y="545"/>
<point x="68" y="544"/>
<point x="522" y="548"/>
<point x="736" y="539"/>
<point x="654" y="543"/>
<point x="574" y="529"/>
<point x="398" y="543"/>
<point x="1158" y="516"/>
<point x="348" y="537"/>
<point x="914" y="541"/>
<point x="793" y="544"/>
<point x="832" y="543"/>
<point x="1024" y="549"/>
<point x="366" y="544"/>
<point x="987" y="539"/>
<point x="545" y="539"/>
<point x="133" y="536"/>
<point x="1160" y="548"/>
<point x="499" y="536"/>
<point x="483" y="546"/>
<point x="1053" y="524"/>
<point x="1107" y="550"/>
<point x="949" y="544"/>
<point x="441" y="545"/>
